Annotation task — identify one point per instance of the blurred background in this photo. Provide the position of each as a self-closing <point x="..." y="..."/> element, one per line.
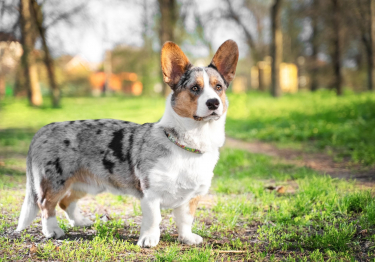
<point x="78" y="59"/>
<point x="95" y="48"/>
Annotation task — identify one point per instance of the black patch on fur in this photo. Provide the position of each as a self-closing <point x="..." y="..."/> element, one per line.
<point x="109" y="165"/>
<point x="49" y="163"/>
<point x="98" y="132"/>
<point x="72" y="122"/>
<point x="82" y="121"/>
<point x="58" y="166"/>
<point x="146" y="183"/>
<point x="101" y="152"/>
<point x="61" y="182"/>
<point x="116" y="144"/>
<point x="129" y="157"/>
<point x="97" y="120"/>
<point x="186" y="77"/>
<point x="45" y="141"/>
<point x="215" y="68"/>
<point x="66" y="142"/>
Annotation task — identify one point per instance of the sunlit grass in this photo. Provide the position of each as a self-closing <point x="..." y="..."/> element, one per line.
<point x="314" y="218"/>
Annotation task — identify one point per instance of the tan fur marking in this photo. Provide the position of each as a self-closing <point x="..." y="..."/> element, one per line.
<point x="214" y="80"/>
<point x="225" y="60"/>
<point x="173" y="63"/>
<point x="70" y="197"/>
<point x="193" y="203"/>
<point x="185" y="104"/>
<point x="49" y="198"/>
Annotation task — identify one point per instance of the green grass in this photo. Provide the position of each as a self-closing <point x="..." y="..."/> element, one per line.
<point x="315" y="218"/>
<point x="319" y="120"/>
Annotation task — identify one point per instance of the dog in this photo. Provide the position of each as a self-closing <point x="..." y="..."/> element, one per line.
<point x="167" y="164"/>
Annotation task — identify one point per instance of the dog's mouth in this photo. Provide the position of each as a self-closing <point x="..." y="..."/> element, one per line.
<point x="213" y="116"/>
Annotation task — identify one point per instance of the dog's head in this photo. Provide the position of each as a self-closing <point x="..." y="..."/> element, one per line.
<point x="199" y="92"/>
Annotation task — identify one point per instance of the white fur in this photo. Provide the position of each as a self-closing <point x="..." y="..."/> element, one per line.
<point x="151" y="218"/>
<point x="50" y="228"/>
<point x="184" y="221"/>
<point x="182" y="175"/>
<point x="208" y="93"/>
<point x="74" y="216"/>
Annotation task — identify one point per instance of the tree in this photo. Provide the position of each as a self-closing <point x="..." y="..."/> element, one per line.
<point x="314" y="44"/>
<point x="28" y="58"/>
<point x="276" y="47"/>
<point x="168" y="20"/>
<point x="258" y="13"/>
<point x="336" y="46"/>
<point x="38" y="19"/>
<point x="363" y="16"/>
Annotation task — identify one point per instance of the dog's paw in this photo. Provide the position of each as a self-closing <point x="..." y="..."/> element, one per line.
<point x="54" y="232"/>
<point x="191" y="239"/>
<point x="148" y="240"/>
<point x="82" y="222"/>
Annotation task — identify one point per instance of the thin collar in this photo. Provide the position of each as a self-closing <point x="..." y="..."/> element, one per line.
<point x="174" y="141"/>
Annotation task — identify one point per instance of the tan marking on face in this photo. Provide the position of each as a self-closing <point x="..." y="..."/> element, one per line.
<point x="215" y="79"/>
<point x="186" y="102"/>
<point x="193" y="203"/>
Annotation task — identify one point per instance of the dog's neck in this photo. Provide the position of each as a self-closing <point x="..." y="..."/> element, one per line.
<point x="206" y="136"/>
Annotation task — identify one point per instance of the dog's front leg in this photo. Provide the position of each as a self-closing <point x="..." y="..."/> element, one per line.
<point x="150" y="230"/>
<point x="184" y="217"/>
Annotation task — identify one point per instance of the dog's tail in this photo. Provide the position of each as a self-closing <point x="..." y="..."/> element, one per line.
<point x="30" y="207"/>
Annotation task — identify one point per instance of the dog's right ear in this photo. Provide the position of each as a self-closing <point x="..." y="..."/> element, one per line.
<point x="174" y="63"/>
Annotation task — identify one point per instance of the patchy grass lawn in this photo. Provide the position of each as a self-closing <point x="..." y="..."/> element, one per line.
<point x="258" y="209"/>
<point x="307" y="217"/>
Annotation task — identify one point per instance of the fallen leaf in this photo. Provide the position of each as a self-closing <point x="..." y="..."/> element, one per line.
<point x="280" y="189"/>
<point x="33" y="249"/>
<point x="363" y="232"/>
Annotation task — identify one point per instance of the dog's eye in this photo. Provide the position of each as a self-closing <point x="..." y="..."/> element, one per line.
<point x="218" y="88"/>
<point x="195" y="89"/>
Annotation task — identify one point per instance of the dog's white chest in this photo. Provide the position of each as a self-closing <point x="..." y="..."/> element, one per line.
<point x="182" y="176"/>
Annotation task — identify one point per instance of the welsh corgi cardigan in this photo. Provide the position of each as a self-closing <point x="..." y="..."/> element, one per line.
<point x="168" y="164"/>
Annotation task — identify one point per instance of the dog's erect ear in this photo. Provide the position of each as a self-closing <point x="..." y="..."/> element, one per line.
<point x="225" y="60"/>
<point x="174" y="63"/>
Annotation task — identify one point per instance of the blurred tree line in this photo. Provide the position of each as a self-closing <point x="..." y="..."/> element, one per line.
<point x="331" y="41"/>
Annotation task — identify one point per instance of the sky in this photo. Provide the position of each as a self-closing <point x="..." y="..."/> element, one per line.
<point x="107" y="23"/>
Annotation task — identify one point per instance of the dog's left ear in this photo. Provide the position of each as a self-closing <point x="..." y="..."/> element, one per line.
<point x="225" y="60"/>
<point x="174" y="63"/>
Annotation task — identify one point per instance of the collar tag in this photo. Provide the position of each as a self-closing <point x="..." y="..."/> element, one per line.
<point x="174" y="141"/>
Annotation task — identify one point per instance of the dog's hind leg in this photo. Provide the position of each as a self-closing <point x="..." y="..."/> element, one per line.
<point x="47" y="204"/>
<point x="184" y="217"/>
<point x="72" y="211"/>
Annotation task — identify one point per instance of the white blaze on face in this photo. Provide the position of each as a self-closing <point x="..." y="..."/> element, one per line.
<point x="208" y="93"/>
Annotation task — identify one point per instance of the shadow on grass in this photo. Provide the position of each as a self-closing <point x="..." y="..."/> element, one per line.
<point x="15" y="141"/>
<point x="348" y="127"/>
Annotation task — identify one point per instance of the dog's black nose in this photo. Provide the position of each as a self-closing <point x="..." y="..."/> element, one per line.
<point x="213" y="103"/>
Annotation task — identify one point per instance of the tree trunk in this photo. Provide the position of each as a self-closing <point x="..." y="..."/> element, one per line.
<point x="315" y="46"/>
<point x="28" y="59"/>
<point x="276" y="48"/>
<point x="336" y="45"/>
<point x="168" y="20"/>
<point x="48" y="61"/>
<point x="371" y="57"/>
